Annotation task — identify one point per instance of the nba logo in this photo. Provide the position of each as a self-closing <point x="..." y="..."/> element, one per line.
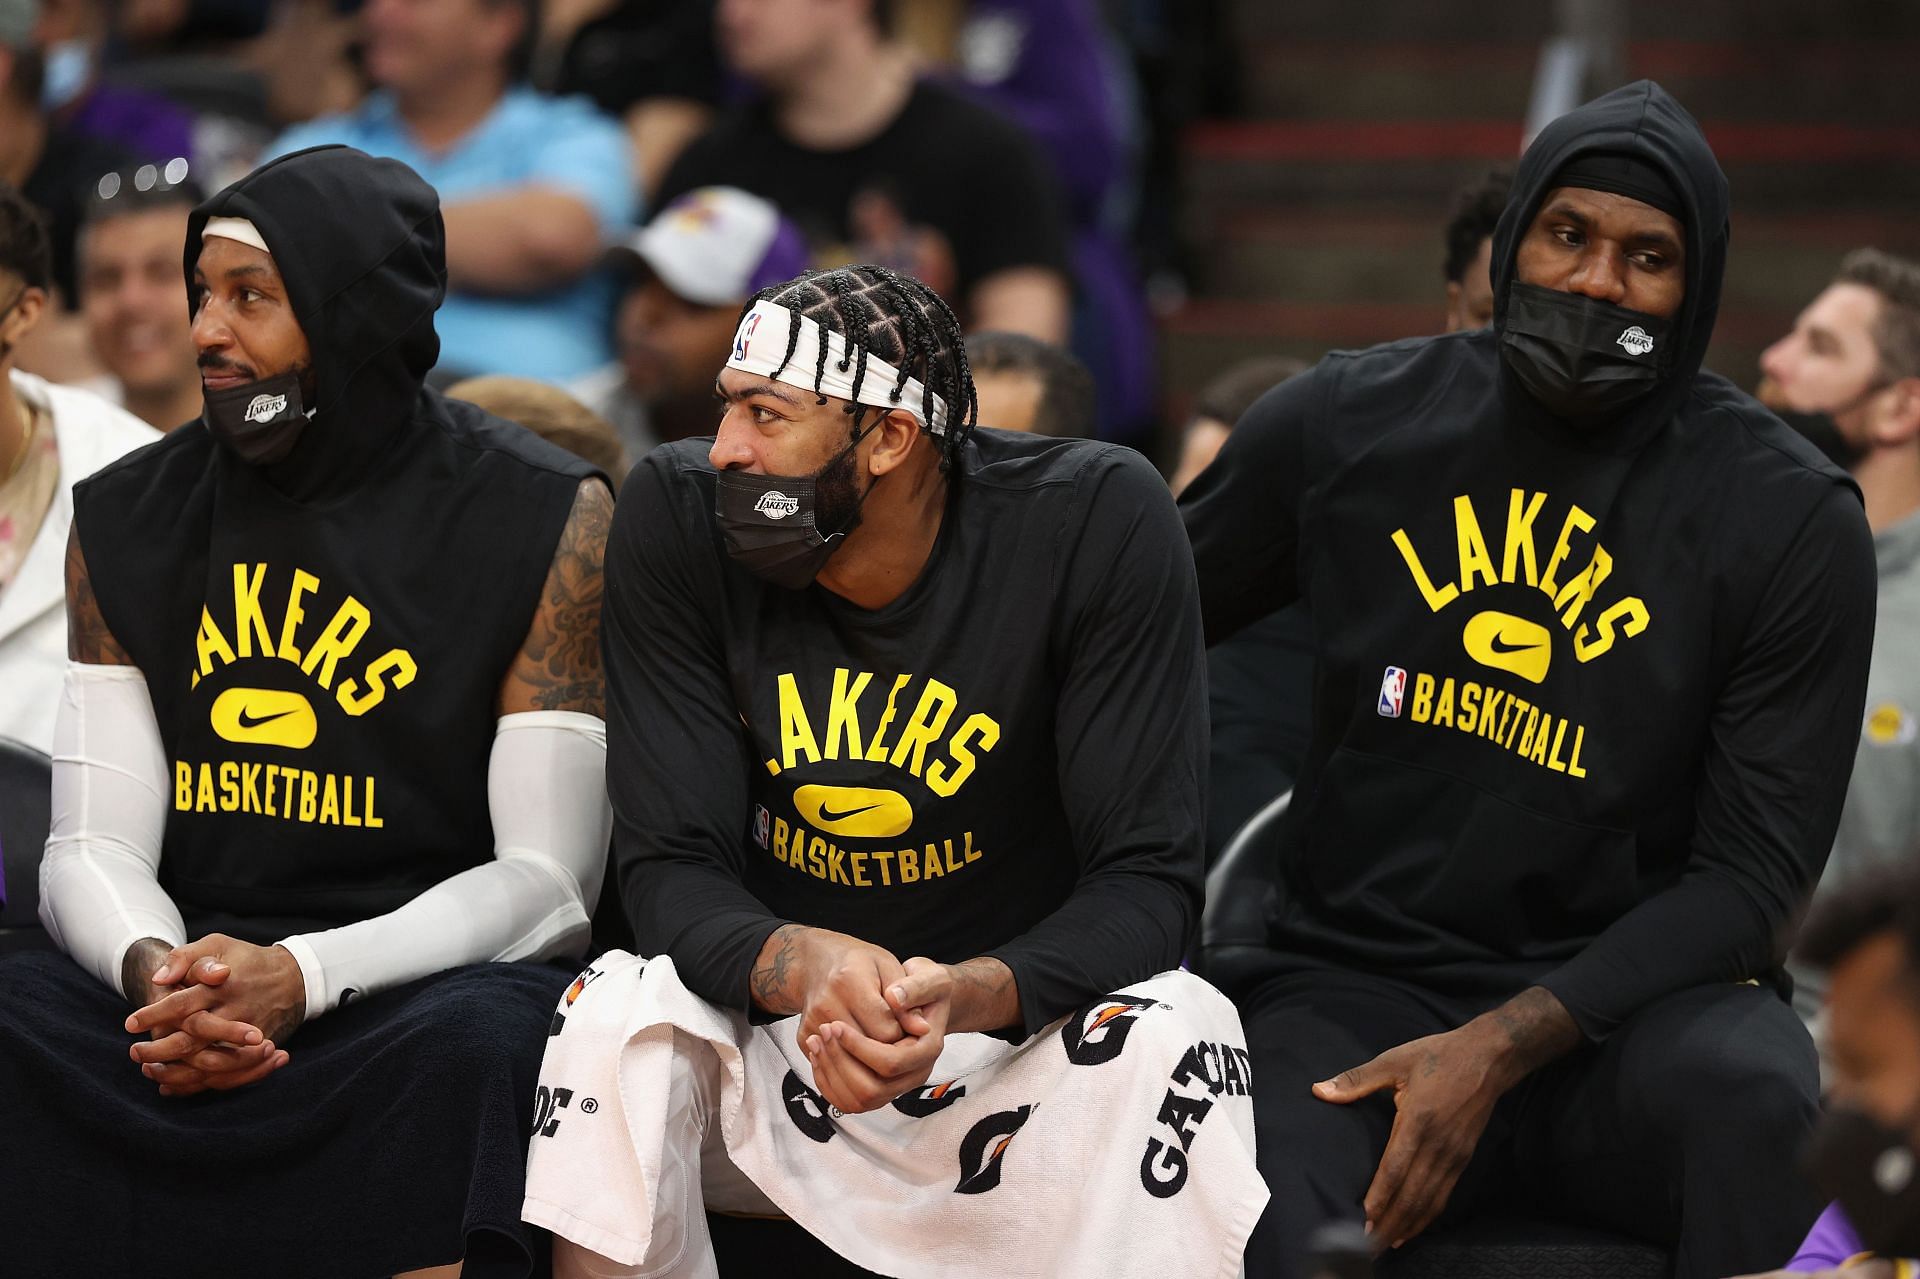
<point x="745" y="335"/>
<point x="760" y="824"/>
<point x="1393" y="686"/>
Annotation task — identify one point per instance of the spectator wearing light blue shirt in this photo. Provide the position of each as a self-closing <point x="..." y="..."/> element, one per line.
<point x="533" y="188"/>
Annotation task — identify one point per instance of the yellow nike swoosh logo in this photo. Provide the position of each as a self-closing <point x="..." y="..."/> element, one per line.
<point x="1508" y="643"/>
<point x="264" y="717"/>
<point x="857" y="812"/>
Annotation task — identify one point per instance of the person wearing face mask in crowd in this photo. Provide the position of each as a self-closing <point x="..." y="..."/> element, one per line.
<point x="1848" y="376"/>
<point x="1864" y="937"/>
<point x="908" y="751"/>
<point x="330" y="742"/>
<point x="1591" y="638"/>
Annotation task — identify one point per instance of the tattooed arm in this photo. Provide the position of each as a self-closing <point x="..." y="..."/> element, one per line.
<point x="546" y="795"/>
<point x="88" y="639"/>
<point x="558" y="667"/>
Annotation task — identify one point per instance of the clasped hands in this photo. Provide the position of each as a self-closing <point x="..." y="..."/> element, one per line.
<point x="871" y="1026"/>
<point x="216" y="1011"/>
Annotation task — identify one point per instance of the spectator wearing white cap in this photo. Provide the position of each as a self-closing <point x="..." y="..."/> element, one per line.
<point x="689" y="272"/>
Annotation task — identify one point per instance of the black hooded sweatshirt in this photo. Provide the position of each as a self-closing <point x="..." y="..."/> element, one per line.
<point x="324" y="638"/>
<point x="1585" y="697"/>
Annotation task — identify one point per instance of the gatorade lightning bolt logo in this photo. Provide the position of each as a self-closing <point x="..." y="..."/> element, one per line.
<point x="1098" y="1033"/>
<point x="985" y="1146"/>
<point x="807" y="1109"/>
<point x="574" y="992"/>
<point x="930" y="1100"/>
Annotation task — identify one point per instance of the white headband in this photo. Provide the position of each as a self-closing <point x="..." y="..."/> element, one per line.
<point x="236" y="229"/>
<point x="761" y="344"/>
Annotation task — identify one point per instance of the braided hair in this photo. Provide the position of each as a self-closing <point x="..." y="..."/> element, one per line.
<point x="899" y="320"/>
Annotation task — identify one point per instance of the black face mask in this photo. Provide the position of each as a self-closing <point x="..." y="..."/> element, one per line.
<point x="259" y="422"/>
<point x="1818" y="429"/>
<point x="1873" y="1171"/>
<point x="784" y="528"/>
<point x="1579" y="357"/>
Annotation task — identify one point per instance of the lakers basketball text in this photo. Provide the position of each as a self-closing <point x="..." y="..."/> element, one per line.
<point x="1512" y="645"/>
<point x="322" y="651"/>
<point x="274" y="790"/>
<point x="1520" y="563"/>
<point x="916" y="730"/>
<point x="315" y="639"/>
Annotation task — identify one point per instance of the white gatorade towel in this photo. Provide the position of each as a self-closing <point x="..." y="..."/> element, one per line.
<point x="1117" y="1141"/>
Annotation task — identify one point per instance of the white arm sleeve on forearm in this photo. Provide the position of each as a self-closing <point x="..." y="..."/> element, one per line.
<point x="99" y="885"/>
<point x="547" y="793"/>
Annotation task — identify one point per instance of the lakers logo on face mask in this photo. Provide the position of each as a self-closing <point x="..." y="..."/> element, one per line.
<point x="264" y="408"/>
<point x="1508" y="643"/>
<point x="264" y="717"/>
<point x="856" y="812"/>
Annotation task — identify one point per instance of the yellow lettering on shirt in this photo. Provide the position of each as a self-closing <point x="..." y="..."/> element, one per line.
<point x="321" y="661"/>
<point x="877" y="752"/>
<point x="1509" y="722"/>
<point x="345" y="629"/>
<point x="211" y="645"/>
<point x="1520" y="536"/>
<point x="1508" y="638"/>
<point x="1475" y="561"/>
<point x="1436" y="599"/>
<point x="977" y="728"/>
<point x="304" y="583"/>
<point x="1626" y="617"/>
<point x="394" y="668"/>
<point x="843" y="714"/>
<point x="929" y="717"/>
<point x="249" y="623"/>
<point x="1576" y="519"/>
<point x="796" y="734"/>
<point x="1422" y="698"/>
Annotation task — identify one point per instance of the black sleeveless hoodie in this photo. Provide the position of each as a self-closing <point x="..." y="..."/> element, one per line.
<point x="1585" y="700"/>
<point x="324" y="638"/>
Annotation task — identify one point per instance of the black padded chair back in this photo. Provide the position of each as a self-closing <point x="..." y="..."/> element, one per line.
<point x="26" y="800"/>
<point x="1240" y="891"/>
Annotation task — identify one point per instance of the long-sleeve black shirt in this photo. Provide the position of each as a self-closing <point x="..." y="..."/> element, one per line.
<point x="1587" y="693"/>
<point x="1008" y="760"/>
<point x="1581" y="719"/>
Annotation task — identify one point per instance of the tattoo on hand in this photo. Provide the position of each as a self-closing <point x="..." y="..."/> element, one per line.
<point x="1538" y="1026"/>
<point x="558" y="667"/>
<point x="138" y="964"/>
<point x="769" y="980"/>
<point x="985" y="993"/>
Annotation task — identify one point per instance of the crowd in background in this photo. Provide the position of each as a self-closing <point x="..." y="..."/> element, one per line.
<point x="1001" y="150"/>
<point x="618" y="177"/>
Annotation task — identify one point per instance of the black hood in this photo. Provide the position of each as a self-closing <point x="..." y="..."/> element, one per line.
<point x="360" y="244"/>
<point x="1644" y="120"/>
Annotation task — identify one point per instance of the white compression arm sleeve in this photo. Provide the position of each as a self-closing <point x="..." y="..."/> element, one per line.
<point x="99" y="885"/>
<point x="547" y="793"/>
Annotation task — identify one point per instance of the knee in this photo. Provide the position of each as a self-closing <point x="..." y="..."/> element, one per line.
<point x="1740" y="1095"/>
<point x="480" y="1014"/>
